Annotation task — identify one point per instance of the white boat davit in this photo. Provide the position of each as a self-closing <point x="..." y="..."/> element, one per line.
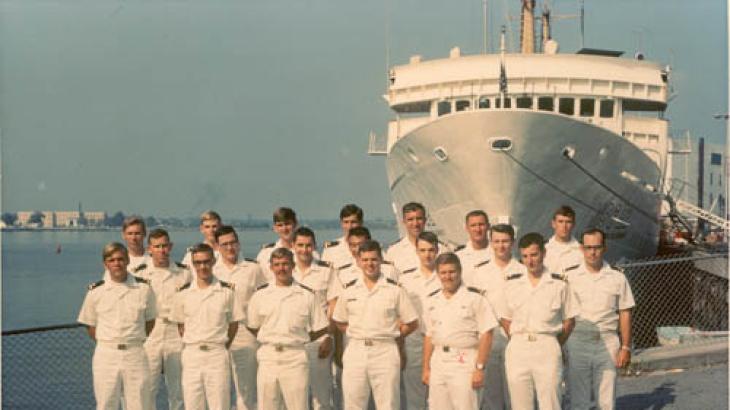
<point x="519" y="134"/>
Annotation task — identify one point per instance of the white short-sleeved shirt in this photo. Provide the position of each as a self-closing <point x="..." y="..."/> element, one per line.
<point x="320" y="277"/>
<point x="118" y="311"/>
<point x="337" y="252"/>
<point x="470" y="258"/>
<point x="458" y="321"/>
<point x="561" y="256"/>
<point x="206" y="313"/>
<point x="374" y="313"/>
<point x="135" y="266"/>
<point x="246" y="276"/>
<point x="490" y="279"/>
<point x="264" y="258"/>
<point x="285" y="314"/>
<point x="165" y="283"/>
<point x="538" y="309"/>
<point x="418" y="287"/>
<point x="600" y="296"/>
<point x="403" y="254"/>
<point x="187" y="260"/>
<point x="350" y="272"/>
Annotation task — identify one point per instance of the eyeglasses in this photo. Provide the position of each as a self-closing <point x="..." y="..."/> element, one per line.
<point x="592" y="247"/>
<point x="228" y="244"/>
<point x="206" y="262"/>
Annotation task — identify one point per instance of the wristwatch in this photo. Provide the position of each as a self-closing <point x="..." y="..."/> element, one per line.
<point x="479" y="366"/>
<point x="627" y="348"/>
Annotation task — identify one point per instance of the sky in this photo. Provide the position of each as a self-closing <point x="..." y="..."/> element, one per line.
<point x="172" y="107"/>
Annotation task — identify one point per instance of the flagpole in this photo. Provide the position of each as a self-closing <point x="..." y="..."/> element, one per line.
<point x="502" y="73"/>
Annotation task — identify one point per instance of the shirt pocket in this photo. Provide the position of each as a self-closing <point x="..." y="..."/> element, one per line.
<point x="133" y="308"/>
<point x="216" y="311"/>
<point x="609" y="298"/>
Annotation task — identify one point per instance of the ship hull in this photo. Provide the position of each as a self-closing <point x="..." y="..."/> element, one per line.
<point x="609" y="181"/>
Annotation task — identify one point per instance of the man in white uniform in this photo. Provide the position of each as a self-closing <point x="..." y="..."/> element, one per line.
<point x="285" y="315"/>
<point x="207" y="313"/>
<point x="118" y="314"/>
<point x="285" y="223"/>
<point x="537" y="315"/>
<point x="403" y="252"/>
<point x="246" y="276"/>
<point x="319" y="277"/>
<point x="459" y="323"/>
<point x="337" y="252"/>
<point x="164" y="346"/>
<point x="209" y="222"/>
<point x="594" y="349"/>
<point x="563" y="250"/>
<point x="476" y="251"/>
<point x="376" y="315"/>
<point x="133" y="233"/>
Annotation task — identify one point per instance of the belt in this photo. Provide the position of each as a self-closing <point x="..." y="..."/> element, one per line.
<point x="280" y="347"/>
<point x="168" y="321"/>
<point x="205" y="347"/>
<point x="373" y="342"/>
<point x="593" y="335"/>
<point x="120" y="346"/>
<point x="533" y="337"/>
<point x="448" y="349"/>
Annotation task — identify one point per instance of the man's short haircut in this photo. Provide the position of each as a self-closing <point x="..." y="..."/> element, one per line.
<point x="112" y="248"/>
<point x="134" y="220"/>
<point x="428" y="236"/>
<point x="413" y="206"/>
<point x="532" y="238"/>
<point x="476" y="212"/>
<point x="210" y="215"/>
<point x="201" y="248"/>
<point x="593" y="231"/>
<point x="349" y="210"/>
<point x="158" y="233"/>
<point x="370" y="246"/>
<point x="284" y="214"/>
<point x="282" y="253"/>
<point x="360" y="232"/>
<point x="306" y="232"/>
<point x="225" y="230"/>
<point x="503" y="228"/>
<point x="448" y="258"/>
<point x="564" y="210"/>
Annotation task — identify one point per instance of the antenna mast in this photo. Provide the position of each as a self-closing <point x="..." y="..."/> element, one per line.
<point x="484" y="26"/>
<point x="527" y="23"/>
<point x="582" y="23"/>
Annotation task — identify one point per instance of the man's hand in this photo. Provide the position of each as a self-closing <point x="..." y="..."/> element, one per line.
<point x="426" y="376"/>
<point x="477" y="379"/>
<point x="623" y="358"/>
<point x="325" y="348"/>
<point x="403" y="357"/>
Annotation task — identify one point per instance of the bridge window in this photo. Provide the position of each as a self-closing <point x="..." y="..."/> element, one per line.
<point x="587" y="107"/>
<point x="507" y="102"/>
<point x="444" y="107"/>
<point x="566" y="106"/>
<point x="524" y="102"/>
<point x="462" y="105"/>
<point x="484" y="102"/>
<point x="546" y="104"/>
<point x="606" y="108"/>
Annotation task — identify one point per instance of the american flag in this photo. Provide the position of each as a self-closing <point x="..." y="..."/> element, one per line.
<point x="502" y="78"/>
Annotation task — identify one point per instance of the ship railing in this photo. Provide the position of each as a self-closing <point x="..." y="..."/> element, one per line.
<point x="377" y="144"/>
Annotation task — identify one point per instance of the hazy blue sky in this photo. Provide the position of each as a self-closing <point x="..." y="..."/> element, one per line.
<point x="172" y="107"/>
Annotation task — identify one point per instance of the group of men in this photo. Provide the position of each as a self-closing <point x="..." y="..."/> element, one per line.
<point x="418" y="326"/>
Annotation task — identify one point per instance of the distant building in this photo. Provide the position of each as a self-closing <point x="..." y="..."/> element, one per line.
<point x="701" y="183"/>
<point x="67" y="218"/>
<point x="61" y="219"/>
<point x="95" y="218"/>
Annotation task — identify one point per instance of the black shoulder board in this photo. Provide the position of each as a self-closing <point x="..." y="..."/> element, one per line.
<point x="557" y="276"/>
<point x="328" y="244"/>
<point x="181" y="265"/>
<point x="513" y="276"/>
<point x="251" y="260"/>
<point x="305" y="287"/>
<point x="391" y="281"/>
<point x="409" y="270"/>
<point x="460" y="247"/>
<point x="226" y="285"/>
<point x="350" y="283"/>
<point x="482" y="263"/>
<point x="475" y="290"/>
<point x="262" y="286"/>
<point x="95" y="284"/>
<point x="324" y="264"/>
<point x="268" y="245"/>
<point x="183" y="287"/>
<point x="141" y="280"/>
<point x="140" y="268"/>
<point x="345" y="266"/>
<point x="571" y="268"/>
<point x="434" y="292"/>
<point x="387" y="262"/>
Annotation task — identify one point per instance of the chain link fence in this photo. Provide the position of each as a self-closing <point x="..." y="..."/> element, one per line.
<point x="680" y="299"/>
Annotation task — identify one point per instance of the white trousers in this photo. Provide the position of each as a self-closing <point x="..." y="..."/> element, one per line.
<point x="120" y="371"/>
<point x="414" y="391"/>
<point x="533" y="365"/>
<point x="164" y="354"/>
<point x="283" y="378"/>
<point x="206" y="377"/>
<point x="592" y="369"/>
<point x="450" y="381"/>
<point x="371" y="365"/>
<point x="496" y="393"/>
<point x="320" y="378"/>
<point x="244" y="365"/>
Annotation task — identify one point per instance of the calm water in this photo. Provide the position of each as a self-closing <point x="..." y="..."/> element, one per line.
<point x="41" y="287"/>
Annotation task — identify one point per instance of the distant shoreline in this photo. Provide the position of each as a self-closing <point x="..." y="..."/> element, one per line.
<point x="257" y="227"/>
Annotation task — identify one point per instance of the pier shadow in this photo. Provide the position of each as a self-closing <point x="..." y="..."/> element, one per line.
<point x="659" y="398"/>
